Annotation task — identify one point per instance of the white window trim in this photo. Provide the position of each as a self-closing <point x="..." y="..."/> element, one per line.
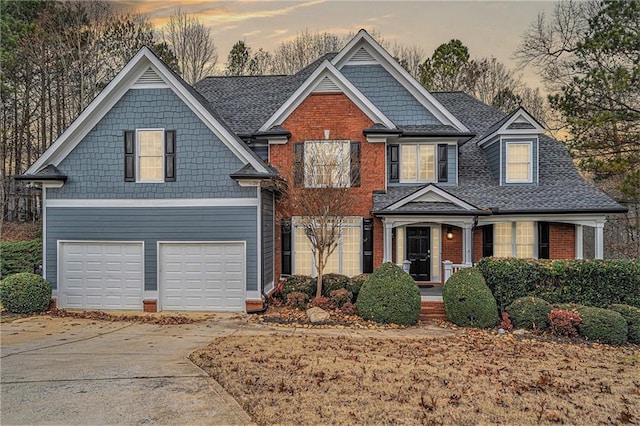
<point x="137" y="149"/>
<point x="530" y="168"/>
<point x="311" y="181"/>
<point x="435" y="162"/>
<point x="357" y="223"/>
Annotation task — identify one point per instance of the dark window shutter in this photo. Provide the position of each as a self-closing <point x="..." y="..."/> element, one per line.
<point x="298" y="164"/>
<point x="443" y="167"/>
<point x="543" y="240"/>
<point x="487" y="241"/>
<point x="285" y="231"/>
<point x="393" y="157"/>
<point x="170" y="156"/>
<point x="355" y="164"/>
<point x="129" y="156"/>
<point x="367" y="246"/>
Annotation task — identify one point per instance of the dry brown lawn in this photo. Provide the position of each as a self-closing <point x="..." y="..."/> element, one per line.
<point x="472" y="377"/>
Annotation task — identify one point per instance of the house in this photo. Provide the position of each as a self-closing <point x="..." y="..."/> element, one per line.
<point x="159" y="195"/>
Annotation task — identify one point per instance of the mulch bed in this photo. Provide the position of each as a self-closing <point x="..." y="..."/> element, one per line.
<point x="146" y="319"/>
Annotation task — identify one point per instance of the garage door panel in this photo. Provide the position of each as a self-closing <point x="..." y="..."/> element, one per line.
<point x="202" y="276"/>
<point x="101" y="275"/>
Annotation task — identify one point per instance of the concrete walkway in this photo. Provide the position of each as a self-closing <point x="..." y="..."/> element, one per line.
<point x="73" y="371"/>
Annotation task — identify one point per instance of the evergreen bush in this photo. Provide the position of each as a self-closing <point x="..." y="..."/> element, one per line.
<point x="468" y="302"/>
<point x="299" y="283"/>
<point x="632" y="315"/>
<point x="530" y="313"/>
<point x="389" y="295"/>
<point x="25" y="293"/>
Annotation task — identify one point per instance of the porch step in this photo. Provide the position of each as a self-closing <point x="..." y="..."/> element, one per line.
<point x="431" y="310"/>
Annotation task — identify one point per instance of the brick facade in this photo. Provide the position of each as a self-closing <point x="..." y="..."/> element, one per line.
<point x="562" y="241"/>
<point x="452" y="249"/>
<point x="345" y="121"/>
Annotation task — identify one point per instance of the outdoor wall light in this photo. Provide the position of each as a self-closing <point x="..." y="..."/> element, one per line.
<point x="449" y="233"/>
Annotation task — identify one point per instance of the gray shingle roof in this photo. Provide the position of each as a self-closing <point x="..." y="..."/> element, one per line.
<point x="560" y="187"/>
<point x="50" y="172"/>
<point x="246" y="102"/>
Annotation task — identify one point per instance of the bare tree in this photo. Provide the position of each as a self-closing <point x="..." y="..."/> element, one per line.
<point x="192" y="44"/>
<point x="291" y="56"/>
<point x="322" y="197"/>
<point x="409" y="57"/>
<point x="549" y="44"/>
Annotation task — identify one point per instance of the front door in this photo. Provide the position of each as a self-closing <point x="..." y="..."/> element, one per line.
<point x="419" y="253"/>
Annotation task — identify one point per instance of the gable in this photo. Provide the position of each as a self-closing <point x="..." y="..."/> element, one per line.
<point x="363" y="45"/>
<point x="144" y="70"/>
<point x="327" y="79"/>
<point x="203" y="163"/>
<point x="388" y="94"/>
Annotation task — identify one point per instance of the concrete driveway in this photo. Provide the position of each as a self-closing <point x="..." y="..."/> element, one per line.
<point x="73" y="371"/>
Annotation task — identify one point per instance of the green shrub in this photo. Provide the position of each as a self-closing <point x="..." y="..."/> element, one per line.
<point x="20" y="256"/>
<point x="299" y="283"/>
<point x="529" y="312"/>
<point x="297" y="300"/>
<point x="354" y="285"/>
<point x="468" y="302"/>
<point x="25" y="293"/>
<point x="603" y="325"/>
<point x="389" y="295"/>
<point x="589" y="282"/>
<point x="632" y="315"/>
<point x="331" y="282"/>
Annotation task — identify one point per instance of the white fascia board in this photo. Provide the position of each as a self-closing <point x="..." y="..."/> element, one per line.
<point x="168" y="202"/>
<point x="114" y="91"/>
<point x="401" y="75"/>
<point x="587" y="219"/>
<point x="505" y="131"/>
<point x="435" y="190"/>
<point x="326" y="69"/>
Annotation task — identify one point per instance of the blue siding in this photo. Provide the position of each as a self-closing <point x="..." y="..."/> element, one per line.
<point x="151" y="225"/>
<point x="95" y="166"/>
<point x="452" y="165"/>
<point x="493" y="158"/>
<point x="534" y="159"/>
<point x="267" y="237"/>
<point x="388" y="95"/>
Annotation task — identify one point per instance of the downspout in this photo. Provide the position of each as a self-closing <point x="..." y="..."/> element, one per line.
<point x="264" y="307"/>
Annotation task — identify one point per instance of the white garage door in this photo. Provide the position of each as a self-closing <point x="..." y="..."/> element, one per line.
<point x="100" y="275"/>
<point x="202" y="276"/>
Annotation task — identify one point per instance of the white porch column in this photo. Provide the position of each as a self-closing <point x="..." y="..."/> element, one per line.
<point x="579" y="242"/>
<point x="599" y="241"/>
<point x="467" y="243"/>
<point x="388" y="241"/>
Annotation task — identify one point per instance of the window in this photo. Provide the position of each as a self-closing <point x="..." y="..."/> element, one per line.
<point x="149" y="155"/>
<point x="514" y="239"/>
<point x="519" y="162"/>
<point x="418" y="162"/>
<point x="327" y="164"/>
<point x="345" y="259"/>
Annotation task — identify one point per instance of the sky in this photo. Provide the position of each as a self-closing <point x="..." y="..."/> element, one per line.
<point x="487" y="28"/>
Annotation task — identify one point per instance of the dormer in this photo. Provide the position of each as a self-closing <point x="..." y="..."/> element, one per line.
<point x="511" y="147"/>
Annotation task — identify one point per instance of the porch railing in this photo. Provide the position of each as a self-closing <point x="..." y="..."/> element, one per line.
<point x="450" y="268"/>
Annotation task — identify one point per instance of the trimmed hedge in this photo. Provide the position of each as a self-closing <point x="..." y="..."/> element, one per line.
<point x="597" y="283"/>
<point x="389" y="295"/>
<point x="25" y="293"/>
<point x="632" y="315"/>
<point x="529" y="312"/>
<point x="468" y="302"/>
<point x="20" y="256"/>
<point x="299" y="283"/>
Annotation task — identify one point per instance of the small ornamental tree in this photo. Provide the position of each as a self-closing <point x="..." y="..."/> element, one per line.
<point x="320" y="198"/>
